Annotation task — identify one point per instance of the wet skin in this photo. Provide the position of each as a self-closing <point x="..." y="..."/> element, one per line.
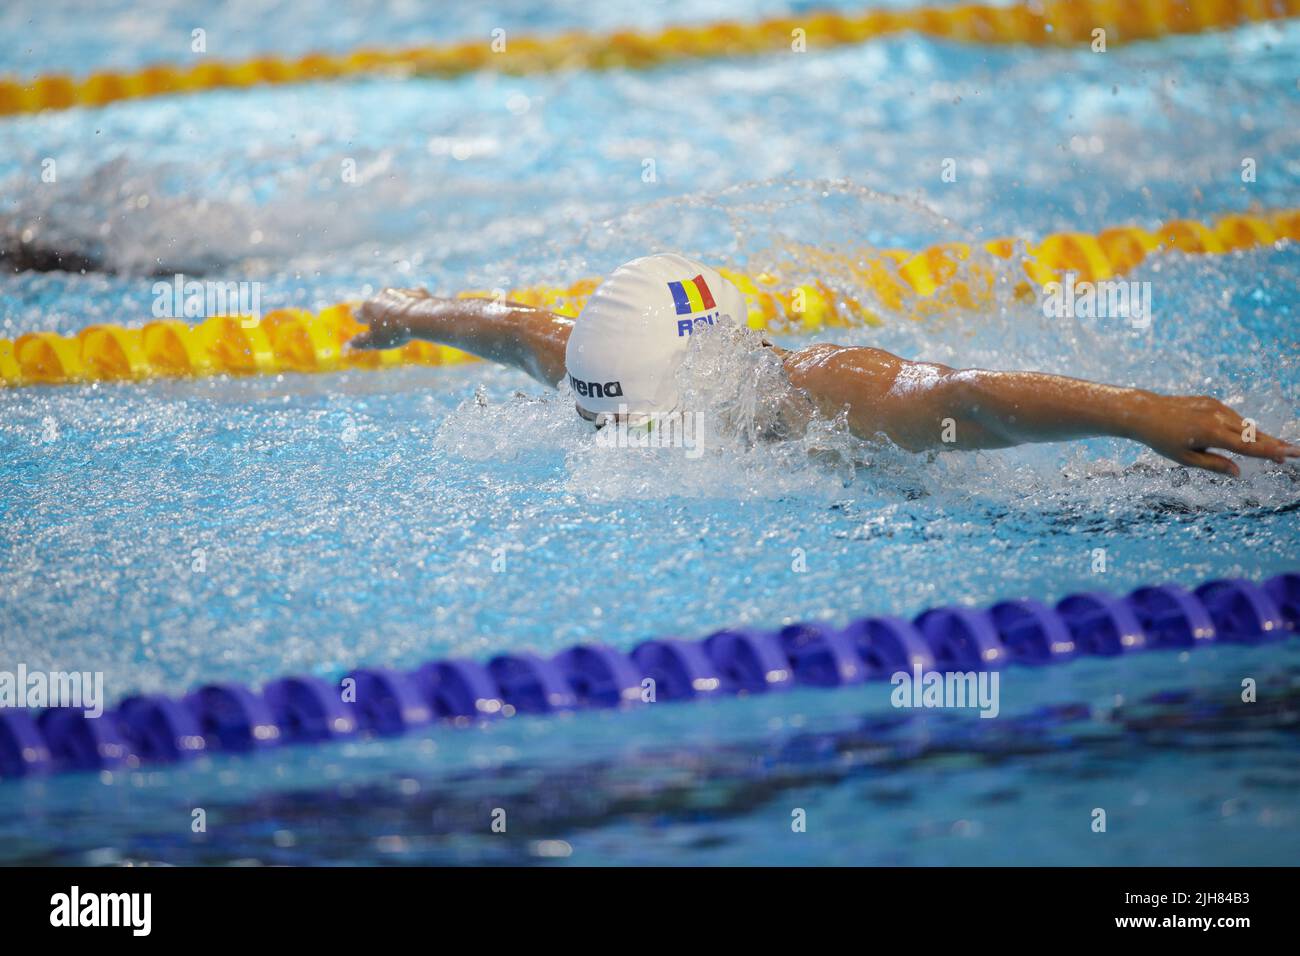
<point x="918" y="405"/>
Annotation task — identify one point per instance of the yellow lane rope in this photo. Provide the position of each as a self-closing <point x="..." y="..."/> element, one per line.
<point x="933" y="281"/>
<point x="1045" y="23"/>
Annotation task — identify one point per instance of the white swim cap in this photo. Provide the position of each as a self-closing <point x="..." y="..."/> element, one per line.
<point x="626" y="345"/>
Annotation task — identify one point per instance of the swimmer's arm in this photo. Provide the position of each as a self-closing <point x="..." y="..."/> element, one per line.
<point x="521" y="336"/>
<point x="914" y="403"/>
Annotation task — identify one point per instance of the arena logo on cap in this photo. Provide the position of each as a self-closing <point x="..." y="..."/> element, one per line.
<point x="596" y="389"/>
<point x="691" y="296"/>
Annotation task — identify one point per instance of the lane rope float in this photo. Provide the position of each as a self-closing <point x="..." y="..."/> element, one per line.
<point x="1050" y="23"/>
<point x="381" y="701"/>
<point x="933" y="282"/>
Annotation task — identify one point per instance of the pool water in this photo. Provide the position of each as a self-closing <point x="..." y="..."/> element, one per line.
<point x="171" y="533"/>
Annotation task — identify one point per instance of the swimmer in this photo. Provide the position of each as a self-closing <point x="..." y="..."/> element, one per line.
<point x="621" y="354"/>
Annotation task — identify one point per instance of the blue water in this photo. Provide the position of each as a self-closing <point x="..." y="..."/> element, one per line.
<point x="354" y="518"/>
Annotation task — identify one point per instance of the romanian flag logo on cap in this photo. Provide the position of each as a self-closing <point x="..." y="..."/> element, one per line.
<point x="691" y="295"/>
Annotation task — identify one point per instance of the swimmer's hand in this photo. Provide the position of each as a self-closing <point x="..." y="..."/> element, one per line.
<point x="522" y="336"/>
<point x="924" y="405"/>
<point x="1184" y="428"/>
<point x="387" y="317"/>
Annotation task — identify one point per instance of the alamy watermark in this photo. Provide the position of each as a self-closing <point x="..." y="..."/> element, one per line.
<point x="81" y="690"/>
<point x="133" y="911"/>
<point x="183" y="298"/>
<point x="947" y="689"/>
<point x="1125" y="299"/>
<point x="683" y="430"/>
